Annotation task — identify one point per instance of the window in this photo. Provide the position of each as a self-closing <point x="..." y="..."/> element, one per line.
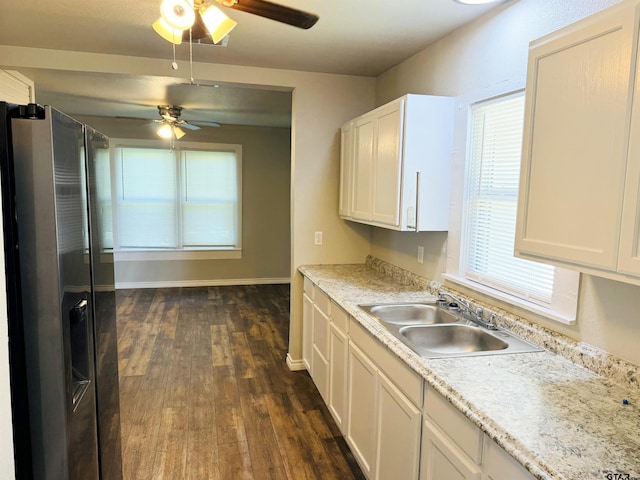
<point x="486" y="260"/>
<point x="181" y="200"/>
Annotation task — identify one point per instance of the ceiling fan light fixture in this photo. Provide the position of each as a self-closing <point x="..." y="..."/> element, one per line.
<point x="217" y="23"/>
<point x="165" y="30"/>
<point x="178" y="14"/>
<point x="165" y="131"/>
<point x="178" y="132"/>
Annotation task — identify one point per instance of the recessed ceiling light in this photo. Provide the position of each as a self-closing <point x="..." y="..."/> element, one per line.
<point x="474" y="2"/>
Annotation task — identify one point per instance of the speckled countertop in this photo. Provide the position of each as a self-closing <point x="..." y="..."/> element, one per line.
<point x="557" y="418"/>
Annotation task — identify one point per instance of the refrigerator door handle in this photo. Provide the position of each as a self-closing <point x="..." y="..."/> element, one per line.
<point x="79" y="312"/>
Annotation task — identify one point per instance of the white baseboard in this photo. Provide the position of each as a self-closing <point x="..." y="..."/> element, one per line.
<point x="201" y="283"/>
<point x="295" y="365"/>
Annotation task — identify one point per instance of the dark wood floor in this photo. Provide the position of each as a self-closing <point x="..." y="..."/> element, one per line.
<point x="205" y="392"/>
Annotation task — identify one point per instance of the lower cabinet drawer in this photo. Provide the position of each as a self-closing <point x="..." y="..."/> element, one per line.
<point x="408" y="381"/>
<point x="499" y="465"/>
<point x="450" y="420"/>
<point x="441" y="459"/>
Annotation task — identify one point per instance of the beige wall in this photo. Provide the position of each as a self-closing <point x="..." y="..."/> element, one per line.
<point x="266" y="176"/>
<point x="485" y="58"/>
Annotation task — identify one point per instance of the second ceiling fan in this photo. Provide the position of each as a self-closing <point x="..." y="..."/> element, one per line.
<point x="171" y="125"/>
<point x="195" y="19"/>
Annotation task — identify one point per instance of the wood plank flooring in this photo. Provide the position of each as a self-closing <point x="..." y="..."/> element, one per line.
<point x="205" y="392"/>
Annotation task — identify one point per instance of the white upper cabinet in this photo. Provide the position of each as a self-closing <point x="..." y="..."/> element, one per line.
<point x="395" y="165"/>
<point x="346" y="163"/>
<point x="578" y="202"/>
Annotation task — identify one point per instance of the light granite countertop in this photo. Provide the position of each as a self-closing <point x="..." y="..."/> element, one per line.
<point x="557" y="418"/>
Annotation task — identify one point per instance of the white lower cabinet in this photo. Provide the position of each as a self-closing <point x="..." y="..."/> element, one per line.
<point x="320" y="351"/>
<point x="338" y="361"/>
<point x="384" y="424"/>
<point x="361" y="426"/>
<point x="442" y="459"/>
<point x="307" y="330"/>
<point x="398" y="435"/>
<point x="499" y="465"/>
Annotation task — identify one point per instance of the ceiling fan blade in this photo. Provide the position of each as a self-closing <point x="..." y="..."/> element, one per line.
<point x="188" y="126"/>
<point x="205" y="124"/>
<point x="276" y="12"/>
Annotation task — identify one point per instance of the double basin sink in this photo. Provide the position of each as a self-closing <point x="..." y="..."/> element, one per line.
<point x="432" y="330"/>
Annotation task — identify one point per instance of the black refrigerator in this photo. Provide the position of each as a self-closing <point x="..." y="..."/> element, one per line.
<point x="60" y="298"/>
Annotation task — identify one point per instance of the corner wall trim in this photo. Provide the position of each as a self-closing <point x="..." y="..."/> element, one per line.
<point x="202" y="283"/>
<point x="295" y="365"/>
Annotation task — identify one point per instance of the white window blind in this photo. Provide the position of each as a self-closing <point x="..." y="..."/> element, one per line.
<point x="491" y="204"/>
<point x="210" y="206"/>
<point x="103" y="196"/>
<point x="147" y="209"/>
<point x="181" y="199"/>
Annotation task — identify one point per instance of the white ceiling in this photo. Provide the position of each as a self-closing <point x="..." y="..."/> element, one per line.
<point x="356" y="37"/>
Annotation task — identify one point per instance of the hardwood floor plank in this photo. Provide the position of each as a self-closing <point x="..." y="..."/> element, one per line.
<point x="202" y="446"/>
<point x="171" y="455"/>
<point x="235" y="463"/>
<point x="261" y="439"/>
<point x="220" y="346"/>
<point x="242" y="358"/>
<point x="139" y="446"/>
<point x="229" y="424"/>
<point x="297" y="461"/>
<point x="145" y="339"/>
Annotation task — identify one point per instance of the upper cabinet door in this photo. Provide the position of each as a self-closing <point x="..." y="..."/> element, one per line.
<point x="387" y="164"/>
<point x="346" y="167"/>
<point x="629" y="254"/>
<point x="362" y="168"/>
<point x="575" y="140"/>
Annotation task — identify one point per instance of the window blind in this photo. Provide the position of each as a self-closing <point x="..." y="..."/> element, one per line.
<point x="103" y="197"/>
<point x="210" y="202"/>
<point x="147" y="210"/>
<point x="181" y="199"/>
<point x="491" y="204"/>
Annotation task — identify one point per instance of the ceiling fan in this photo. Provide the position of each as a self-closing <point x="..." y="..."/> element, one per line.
<point x="171" y="125"/>
<point x="190" y="20"/>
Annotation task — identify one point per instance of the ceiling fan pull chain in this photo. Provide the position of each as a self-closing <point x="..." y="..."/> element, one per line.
<point x="174" y="64"/>
<point x="191" y="55"/>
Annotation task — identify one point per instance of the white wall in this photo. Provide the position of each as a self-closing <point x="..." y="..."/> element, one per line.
<point x="482" y="59"/>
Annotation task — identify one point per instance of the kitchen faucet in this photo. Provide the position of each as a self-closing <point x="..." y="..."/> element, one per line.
<point x="467" y="311"/>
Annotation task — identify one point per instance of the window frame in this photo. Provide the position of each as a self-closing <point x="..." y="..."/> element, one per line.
<point x="189" y="253"/>
<point x="564" y="303"/>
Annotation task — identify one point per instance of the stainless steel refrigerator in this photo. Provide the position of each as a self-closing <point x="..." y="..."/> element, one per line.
<point x="63" y="355"/>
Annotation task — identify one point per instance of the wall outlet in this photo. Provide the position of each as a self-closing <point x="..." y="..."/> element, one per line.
<point x="317" y="238"/>
<point x="420" y="254"/>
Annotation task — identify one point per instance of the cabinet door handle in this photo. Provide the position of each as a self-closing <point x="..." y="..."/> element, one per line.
<point x="417" y="209"/>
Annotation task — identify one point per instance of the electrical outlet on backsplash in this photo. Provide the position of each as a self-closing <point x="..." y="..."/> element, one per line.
<point x="580" y="353"/>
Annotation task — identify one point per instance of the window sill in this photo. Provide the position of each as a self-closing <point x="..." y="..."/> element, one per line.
<point x="170" y="255"/>
<point x="510" y="299"/>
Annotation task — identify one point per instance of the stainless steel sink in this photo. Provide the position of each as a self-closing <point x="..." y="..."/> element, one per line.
<point x="411" y="313"/>
<point x="452" y="339"/>
<point x="433" y="331"/>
